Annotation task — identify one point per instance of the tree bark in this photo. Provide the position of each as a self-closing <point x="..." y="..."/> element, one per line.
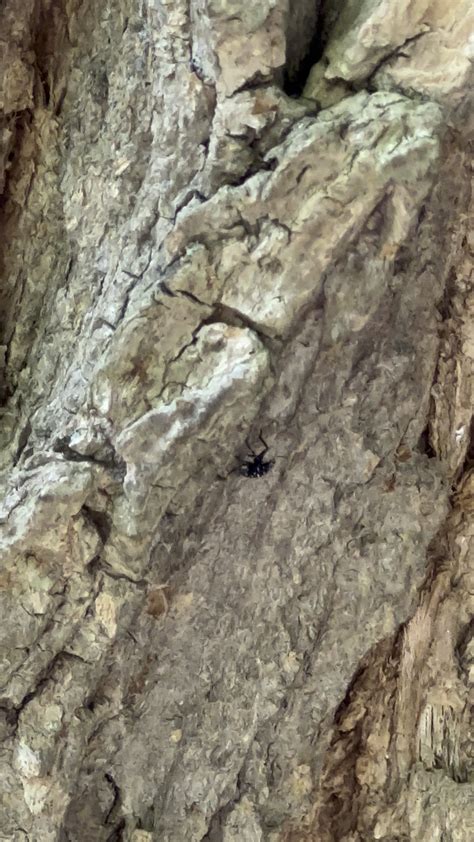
<point x="236" y="450"/>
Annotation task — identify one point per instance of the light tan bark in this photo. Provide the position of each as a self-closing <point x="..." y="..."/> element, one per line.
<point x="201" y="642"/>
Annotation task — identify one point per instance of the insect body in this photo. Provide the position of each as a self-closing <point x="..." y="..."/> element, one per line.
<point x="256" y="466"/>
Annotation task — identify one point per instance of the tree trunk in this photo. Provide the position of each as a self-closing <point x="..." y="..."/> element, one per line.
<point x="237" y="336"/>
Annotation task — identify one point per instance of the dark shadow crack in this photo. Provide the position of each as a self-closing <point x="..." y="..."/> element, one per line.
<point x="369" y="83"/>
<point x="114" y="574"/>
<point x="191" y="297"/>
<point x="117" y="833"/>
<point x="112" y="462"/>
<point x="45" y="676"/>
<point x="116" y="800"/>
<point x="235" y="318"/>
<point x="215" y="831"/>
<point x="135" y="281"/>
<point x="22" y="441"/>
<point x="296" y="71"/>
<point x="101" y="522"/>
<point x="258" y="80"/>
<point x="165" y="289"/>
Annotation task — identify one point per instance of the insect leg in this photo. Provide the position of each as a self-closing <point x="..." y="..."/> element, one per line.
<point x="264" y="444"/>
<point x="250" y="449"/>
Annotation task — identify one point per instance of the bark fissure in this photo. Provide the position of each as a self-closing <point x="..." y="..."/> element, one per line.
<point x="220" y="223"/>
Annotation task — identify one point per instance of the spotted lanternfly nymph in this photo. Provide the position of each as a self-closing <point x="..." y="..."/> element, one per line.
<point x="256" y="466"/>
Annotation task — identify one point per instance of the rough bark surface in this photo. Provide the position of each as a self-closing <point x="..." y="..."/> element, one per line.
<point x="223" y="220"/>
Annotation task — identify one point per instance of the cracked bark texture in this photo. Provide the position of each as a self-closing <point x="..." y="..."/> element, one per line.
<point x="220" y="219"/>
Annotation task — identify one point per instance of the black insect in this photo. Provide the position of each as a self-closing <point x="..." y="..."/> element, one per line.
<point x="256" y="466"/>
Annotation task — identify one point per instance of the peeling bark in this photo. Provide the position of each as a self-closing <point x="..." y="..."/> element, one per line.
<point x="222" y="223"/>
